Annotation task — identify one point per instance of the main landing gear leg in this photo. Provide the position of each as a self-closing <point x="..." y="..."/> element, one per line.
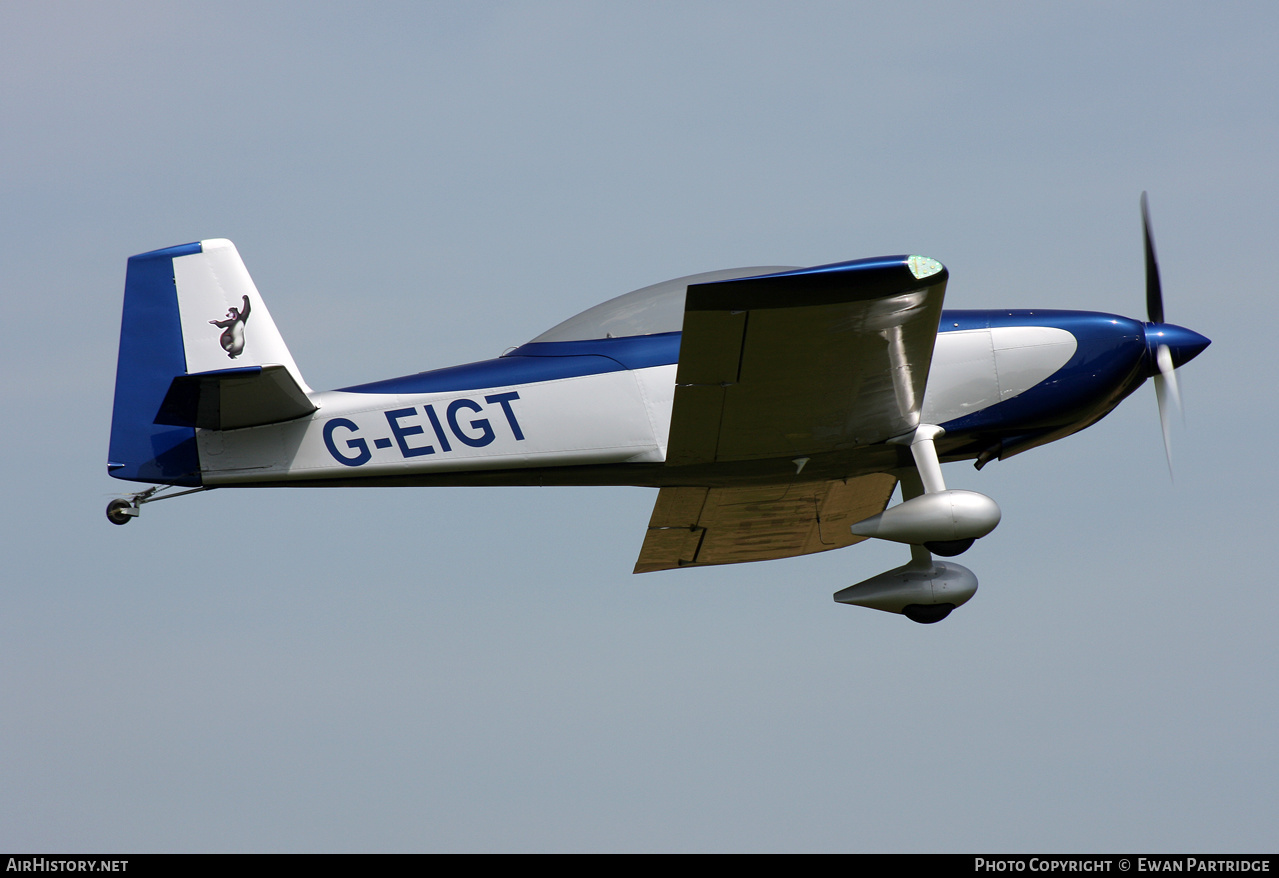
<point x="932" y="520"/>
<point x="927" y="478"/>
<point x="945" y="521"/>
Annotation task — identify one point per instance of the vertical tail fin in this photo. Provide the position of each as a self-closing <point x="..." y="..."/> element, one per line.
<point x="194" y="328"/>
<point x="225" y="323"/>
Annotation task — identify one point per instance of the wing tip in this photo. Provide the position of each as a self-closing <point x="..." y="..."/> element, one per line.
<point x="922" y="267"/>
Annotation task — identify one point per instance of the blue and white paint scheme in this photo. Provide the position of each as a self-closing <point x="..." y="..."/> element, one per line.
<point x="776" y="409"/>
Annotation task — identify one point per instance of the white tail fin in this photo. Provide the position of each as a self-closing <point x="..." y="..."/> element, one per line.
<point x="225" y="323"/>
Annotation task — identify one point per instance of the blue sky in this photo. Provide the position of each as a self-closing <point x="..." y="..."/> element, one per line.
<point x="418" y="185"/>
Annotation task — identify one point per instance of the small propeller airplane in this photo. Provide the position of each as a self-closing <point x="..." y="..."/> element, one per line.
<point x="776" y="409"/>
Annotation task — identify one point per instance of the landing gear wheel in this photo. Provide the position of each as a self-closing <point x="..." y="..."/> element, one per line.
<point x="927" y="614"/>
<point x="120" y="512"/>
<point x="949" y="548"/>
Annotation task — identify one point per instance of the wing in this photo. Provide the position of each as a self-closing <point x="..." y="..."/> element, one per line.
<point x="701" y="526"/>
<point x="825" y="361"/>
<point x="804" y="362"/>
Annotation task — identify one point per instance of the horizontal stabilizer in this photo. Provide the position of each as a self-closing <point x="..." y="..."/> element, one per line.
<point x="227" y="399"/>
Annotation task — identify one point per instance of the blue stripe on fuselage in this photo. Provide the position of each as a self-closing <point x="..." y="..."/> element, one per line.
<point x="540" y="361"/>
<point x="1106" y="367"/>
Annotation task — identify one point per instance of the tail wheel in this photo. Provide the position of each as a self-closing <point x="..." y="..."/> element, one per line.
<point x="120" y="511"/>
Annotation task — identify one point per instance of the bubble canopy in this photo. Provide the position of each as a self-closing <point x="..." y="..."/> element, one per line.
<point x="647" y="311"/>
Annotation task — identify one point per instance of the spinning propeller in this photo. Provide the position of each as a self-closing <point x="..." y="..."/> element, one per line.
<point x="1169" y="345"/>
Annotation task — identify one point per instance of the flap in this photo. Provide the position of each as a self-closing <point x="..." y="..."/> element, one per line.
<point x="702" y="526"/>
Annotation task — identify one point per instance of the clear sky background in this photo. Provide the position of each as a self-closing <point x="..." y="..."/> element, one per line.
<point x="417" y="185"/>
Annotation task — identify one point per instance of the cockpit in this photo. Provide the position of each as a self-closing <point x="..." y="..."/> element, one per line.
<point x="648" y="311"/>
<point x="633" y="331"/>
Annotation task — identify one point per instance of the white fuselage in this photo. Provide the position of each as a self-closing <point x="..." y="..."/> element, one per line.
<point x="618" y="417"/>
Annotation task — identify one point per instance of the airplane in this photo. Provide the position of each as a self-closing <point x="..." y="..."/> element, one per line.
<point x="775" y="409"/>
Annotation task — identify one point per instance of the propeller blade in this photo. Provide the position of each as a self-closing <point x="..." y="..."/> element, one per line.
<point x="1167" y="371"/>
<point x="1154" y="290"/>
<point x="1166" y="389"/>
